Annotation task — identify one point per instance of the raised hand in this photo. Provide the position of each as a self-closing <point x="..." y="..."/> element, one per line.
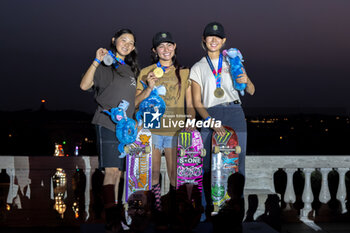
<point x="100" y="53"/>
<point x="151" y="80"/>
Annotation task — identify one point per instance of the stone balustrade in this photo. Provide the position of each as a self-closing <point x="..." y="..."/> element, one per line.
<point x="260" y="172"/>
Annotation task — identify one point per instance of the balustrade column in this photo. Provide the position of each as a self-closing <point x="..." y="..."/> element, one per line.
<point x="307" y="197"/>
<point x="165" y="185"/>
<point x="289" y="195"/>
<point x="341" y="193"/>
<point x="325" y="195"/>
<point x="13" y="189"/>
<point x="87" y="172"/>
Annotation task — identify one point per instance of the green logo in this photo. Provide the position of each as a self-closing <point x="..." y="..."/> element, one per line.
<point x="186" y="139"/>
<point x="218" y="192"/>
<point x="223" y="139"/>
<point x="215" y="27"/>
<point x="164" y="35"/>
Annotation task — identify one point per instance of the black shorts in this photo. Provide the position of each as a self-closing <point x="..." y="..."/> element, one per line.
<point x="107" y="148"/>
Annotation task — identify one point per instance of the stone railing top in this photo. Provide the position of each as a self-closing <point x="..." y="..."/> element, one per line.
<point x="297" y="161"/>
<point x="261" y="162"/>
<point x="48" y="162"/>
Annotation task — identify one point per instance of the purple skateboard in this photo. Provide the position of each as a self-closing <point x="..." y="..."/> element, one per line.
<point x="190" y="158"/>
<point x="139" y="163"/>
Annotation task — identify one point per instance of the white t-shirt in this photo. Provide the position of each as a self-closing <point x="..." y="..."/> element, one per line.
<point x="202" y="74"/>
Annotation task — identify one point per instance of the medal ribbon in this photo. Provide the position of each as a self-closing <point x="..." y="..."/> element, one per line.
<point x="163" y="67"/>
<point x="217" y="74"/>
<point x="116" y="60"/>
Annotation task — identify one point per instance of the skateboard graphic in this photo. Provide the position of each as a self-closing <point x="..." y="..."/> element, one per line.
<point x="190" y="158"/>
<point x="224" y="163"/>
<point x="138" y="164"/>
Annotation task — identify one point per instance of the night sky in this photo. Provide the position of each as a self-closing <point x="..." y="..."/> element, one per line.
<point x="297" y="53"/>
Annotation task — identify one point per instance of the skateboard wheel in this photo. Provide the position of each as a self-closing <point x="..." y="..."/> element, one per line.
<point x="216" y="149"/>
<point x="203" y="152"/>
<point x="238" y="149"/>
<point x="126" y="149"/>
<point x="182" y="152"/>
<point x="126" y="206"/>
<point x="148" y="149"/>
<point x="216" y="208"/>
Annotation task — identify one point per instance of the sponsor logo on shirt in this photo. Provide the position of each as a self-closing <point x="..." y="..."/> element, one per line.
<point x="133" y="81"/>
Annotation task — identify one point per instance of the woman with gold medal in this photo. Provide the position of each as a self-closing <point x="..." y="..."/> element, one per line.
<point x="166" y="71"/>
<point x="215" y="97"/>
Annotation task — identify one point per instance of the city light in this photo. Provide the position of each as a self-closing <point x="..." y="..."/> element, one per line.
<point x="60" y="186"/>
<point x="262" y="121"/>
<point x="58" y="150"/>
<point x="75" y="208"/>
<point x="43" y="101"/>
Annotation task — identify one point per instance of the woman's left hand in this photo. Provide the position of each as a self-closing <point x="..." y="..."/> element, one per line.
<point x="242" y="78"/>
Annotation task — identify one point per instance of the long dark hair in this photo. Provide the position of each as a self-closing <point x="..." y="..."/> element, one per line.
<point x="131" y="58"/>
<point x="155" y="59"/>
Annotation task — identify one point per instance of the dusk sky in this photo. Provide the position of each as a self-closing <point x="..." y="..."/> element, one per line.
<point x="297" y="53"/>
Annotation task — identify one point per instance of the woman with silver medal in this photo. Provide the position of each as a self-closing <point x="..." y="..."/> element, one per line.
<point x="112" y="78"/>
<point x="214" y="97"/>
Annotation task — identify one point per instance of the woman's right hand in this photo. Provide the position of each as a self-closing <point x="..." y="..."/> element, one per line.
<point x="101" y="53"/>
<point x="151" y="80"/>
<point x="221" y="131"/>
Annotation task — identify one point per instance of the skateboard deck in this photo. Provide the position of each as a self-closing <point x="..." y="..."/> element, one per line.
<point x="224" y="163"/>
<point x="190" y="158"/>
<point x="138" y="164"/>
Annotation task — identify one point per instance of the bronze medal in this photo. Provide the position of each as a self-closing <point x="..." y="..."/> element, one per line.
<point x="219" y="92"/>
<point x="158" y="72"/>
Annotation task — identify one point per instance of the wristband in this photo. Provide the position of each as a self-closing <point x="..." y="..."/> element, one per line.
<point x="207" y="118"/>
<point x="98" y="61"/>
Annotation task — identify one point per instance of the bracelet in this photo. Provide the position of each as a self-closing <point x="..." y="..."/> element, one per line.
<point x="94" y="65"/>
<point x="207" y="118"/>
<point x="98" y="61"/>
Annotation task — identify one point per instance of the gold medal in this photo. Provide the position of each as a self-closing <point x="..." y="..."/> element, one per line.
<point x="158" y="72"/>
<point x="219" y="92"/>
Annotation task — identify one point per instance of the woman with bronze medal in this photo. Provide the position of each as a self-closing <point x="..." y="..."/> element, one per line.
<point x="166" y="71"/>
<point x="215" y="97"/>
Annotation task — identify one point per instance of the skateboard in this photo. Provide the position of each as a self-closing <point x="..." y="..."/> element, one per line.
<point x="224" y="163"/>
<point x="139" y="163"/>
<point x="190" y="158"/>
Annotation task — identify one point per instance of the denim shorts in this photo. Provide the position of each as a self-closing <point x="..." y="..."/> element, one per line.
<point x="161" y="142"/>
